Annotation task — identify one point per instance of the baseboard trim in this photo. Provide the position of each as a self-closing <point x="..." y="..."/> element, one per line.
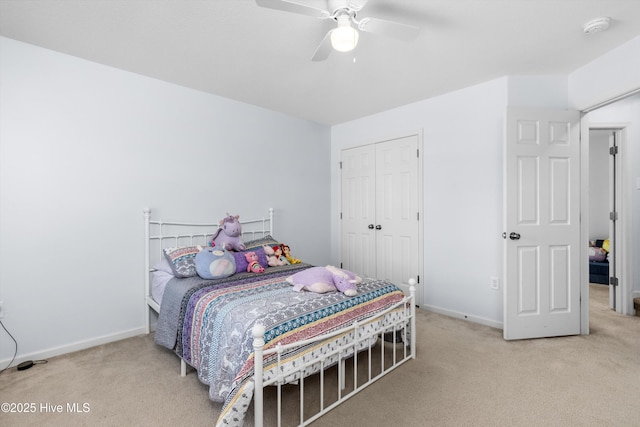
<point x="463" y="316"/>
<point x="76" y="346"/>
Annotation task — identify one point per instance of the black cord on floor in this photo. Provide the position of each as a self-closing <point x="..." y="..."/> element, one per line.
<point x="16" y="347"/>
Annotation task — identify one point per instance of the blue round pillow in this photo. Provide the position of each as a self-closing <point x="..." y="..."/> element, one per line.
<point x="215" y="263"/>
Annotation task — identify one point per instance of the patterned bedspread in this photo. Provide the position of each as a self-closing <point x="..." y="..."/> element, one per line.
<point x="215" y="320"/>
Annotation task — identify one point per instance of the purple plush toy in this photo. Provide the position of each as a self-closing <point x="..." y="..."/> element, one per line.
<point x="325" y="279"/>
<point x="229" y="235"/>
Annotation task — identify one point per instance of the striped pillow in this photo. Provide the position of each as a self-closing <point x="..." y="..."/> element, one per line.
<point x="183" y="260"/>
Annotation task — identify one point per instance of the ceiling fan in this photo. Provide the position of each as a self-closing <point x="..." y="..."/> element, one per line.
<point x="344" y="37"/>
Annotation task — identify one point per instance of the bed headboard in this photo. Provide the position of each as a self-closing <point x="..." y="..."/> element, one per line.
<point x="164" y="234"/>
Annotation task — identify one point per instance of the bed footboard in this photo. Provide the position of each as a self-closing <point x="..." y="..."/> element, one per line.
<point x="395" y="326"/>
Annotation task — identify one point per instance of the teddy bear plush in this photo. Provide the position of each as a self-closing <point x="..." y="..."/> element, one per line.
<point x="325" y="279"/>
<point x="254" y="266"/>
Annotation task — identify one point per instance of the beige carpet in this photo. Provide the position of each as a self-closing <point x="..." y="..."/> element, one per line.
<point x="465" y="374"/>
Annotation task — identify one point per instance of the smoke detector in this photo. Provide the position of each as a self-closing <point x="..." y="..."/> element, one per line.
<point x="597" y="25"/>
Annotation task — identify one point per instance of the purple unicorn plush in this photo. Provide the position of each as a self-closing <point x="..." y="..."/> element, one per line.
<point x="229" y="234"/>
<point x="325" y="279"/>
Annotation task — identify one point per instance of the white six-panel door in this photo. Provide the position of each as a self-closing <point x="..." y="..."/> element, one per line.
<point x="358" y="210"/>
<point x="542" y="224"/>
<point x="380" y="210"/>
<point x="397" y="210"/>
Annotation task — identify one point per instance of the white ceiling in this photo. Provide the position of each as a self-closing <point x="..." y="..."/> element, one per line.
<point x="237" y="50"/>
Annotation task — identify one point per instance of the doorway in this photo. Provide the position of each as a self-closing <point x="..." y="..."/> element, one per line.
<point x="607" y="210"/>
<point x="603" y="210"/>
<point x="621" y="115"/>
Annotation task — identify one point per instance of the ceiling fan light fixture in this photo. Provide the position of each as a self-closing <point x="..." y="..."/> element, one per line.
<point x="345" y="37"/>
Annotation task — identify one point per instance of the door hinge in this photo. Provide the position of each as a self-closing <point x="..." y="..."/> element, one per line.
<point x="613" y="281"/>
<point x="340" y="215"/>
<point x="418" y="153"/>
<point x="613" y="216"/>
<point x="613" y="150"/>
<point x="340" y="164"/>
<point x="418" y="216"/>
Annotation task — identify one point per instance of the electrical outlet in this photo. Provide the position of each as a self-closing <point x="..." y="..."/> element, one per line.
<point x="1" y="309"/>
<point x="495" y="283"/>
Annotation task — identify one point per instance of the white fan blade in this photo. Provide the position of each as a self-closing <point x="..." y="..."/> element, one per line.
<point x="357" y="5"/>
<point x="389" y="28"/>
<point x="324" y="49"/>
<point x="290" y="6"/>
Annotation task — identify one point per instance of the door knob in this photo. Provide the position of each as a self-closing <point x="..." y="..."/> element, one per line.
<point x="378" y="227"/>
<point x="514" y="236"/>
<point x="370" y="226"/>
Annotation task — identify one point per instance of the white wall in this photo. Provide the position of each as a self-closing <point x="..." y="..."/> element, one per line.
<point x="462" y="140"/>
<point x="538" y="91"/>
<point x="84" y="148"/>
<point x="611" y="75"/>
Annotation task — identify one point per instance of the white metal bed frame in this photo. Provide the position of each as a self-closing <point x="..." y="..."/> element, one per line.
<point x="362" y="344"/>
<point x="179" y="233"/>
<point x="162" y="234"/>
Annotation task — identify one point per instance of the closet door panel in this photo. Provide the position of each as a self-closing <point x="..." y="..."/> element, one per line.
<point x="358" y="210"/>
<point x="397" y="210"/>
